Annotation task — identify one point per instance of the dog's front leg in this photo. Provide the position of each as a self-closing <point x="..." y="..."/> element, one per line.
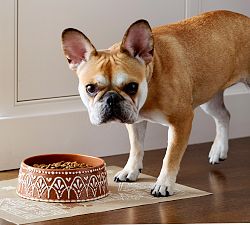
<point x="134" y="165"/>
<point x="178" y="135"/>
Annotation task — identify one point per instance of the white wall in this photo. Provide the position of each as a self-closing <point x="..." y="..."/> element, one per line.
<point x="39" y="115"/>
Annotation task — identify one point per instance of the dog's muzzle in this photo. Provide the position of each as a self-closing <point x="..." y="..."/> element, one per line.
<point x="115" y="108"/>
<point x="112" y="110"/>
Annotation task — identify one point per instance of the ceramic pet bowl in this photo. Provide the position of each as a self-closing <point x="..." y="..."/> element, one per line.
<point x="62" y="185"/>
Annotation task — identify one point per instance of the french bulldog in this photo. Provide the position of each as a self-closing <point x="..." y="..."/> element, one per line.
<point x="161" y="75"/>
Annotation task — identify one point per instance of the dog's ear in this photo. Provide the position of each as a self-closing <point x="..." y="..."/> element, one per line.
<point x="77" y="47"/>
<point x="138" y="41"/>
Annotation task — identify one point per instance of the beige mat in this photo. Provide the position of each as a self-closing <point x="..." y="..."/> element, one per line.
<point x="122" y="195"/>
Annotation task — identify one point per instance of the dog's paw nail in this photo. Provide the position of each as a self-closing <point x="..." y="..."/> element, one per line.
<point x="140" y="170"/>
<point x="221" y="159"/>
<point x="158" y="194"/>
<point x="128" y="180"/>
<point x="152" y="190"/>
<point x="116" y="179"/>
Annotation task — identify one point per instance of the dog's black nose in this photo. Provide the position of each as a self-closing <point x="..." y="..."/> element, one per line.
<point x="112" y="98"/>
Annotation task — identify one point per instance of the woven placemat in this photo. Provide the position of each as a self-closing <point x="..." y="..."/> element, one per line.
<point x="122" y="195"/>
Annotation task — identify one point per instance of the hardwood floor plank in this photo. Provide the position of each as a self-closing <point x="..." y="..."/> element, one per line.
<point x="229" y="182"/>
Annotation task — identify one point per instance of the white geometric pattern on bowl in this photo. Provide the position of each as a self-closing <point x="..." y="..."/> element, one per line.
<point x="55" y="185"/>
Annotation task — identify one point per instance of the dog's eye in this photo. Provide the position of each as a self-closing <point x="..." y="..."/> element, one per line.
<point x="131" y="88"/>
<point x="91" y="89"/>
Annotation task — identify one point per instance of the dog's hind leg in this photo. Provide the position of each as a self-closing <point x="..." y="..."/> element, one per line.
<point x="216" y="108"/>
<point x="247" y="81"/>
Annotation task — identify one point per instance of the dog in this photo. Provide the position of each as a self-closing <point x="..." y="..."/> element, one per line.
<point x="161" y="75"/>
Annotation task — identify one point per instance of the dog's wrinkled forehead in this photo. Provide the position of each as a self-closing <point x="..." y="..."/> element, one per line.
<point x="111" y="68"/>
<point x="119" y="79"/>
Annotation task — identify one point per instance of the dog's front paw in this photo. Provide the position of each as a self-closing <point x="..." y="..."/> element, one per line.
<point x="161" y="190"/>
<point x="164" y="185"/>
<point x="127" y="175"/>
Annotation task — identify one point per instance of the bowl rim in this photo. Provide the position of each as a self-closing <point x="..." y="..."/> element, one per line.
<point x="68" y="154"/>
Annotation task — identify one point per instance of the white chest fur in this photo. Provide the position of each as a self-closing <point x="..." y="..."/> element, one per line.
<point x="154" y="117"/>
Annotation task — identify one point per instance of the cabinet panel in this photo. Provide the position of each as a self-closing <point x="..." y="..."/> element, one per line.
<point x="42" y="70"/>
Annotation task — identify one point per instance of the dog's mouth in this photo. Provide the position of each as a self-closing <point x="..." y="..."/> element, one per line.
<point x="117" y="119"/>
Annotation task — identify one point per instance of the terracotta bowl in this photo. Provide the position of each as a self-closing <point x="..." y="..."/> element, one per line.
<point x="62" y="185"/>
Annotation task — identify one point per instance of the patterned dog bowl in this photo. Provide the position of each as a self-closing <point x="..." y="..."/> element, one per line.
<point x="62" y="185"/>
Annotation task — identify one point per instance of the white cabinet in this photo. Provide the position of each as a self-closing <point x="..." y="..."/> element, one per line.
<point x="39" y="105"/>
<point x="40" y="111"/>
<point x="41" y="70"/>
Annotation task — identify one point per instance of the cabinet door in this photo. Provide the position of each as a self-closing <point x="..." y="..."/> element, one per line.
<point x="42" y="70"/>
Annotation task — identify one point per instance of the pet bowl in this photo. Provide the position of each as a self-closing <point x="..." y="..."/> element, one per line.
<point x="62" y="185"/>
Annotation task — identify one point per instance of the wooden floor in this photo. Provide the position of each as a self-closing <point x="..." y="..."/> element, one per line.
<point x="229" y="182"/>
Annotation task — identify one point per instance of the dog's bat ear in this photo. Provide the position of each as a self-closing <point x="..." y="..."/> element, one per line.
<point x="77" y="47"/>
<point x="138" y="41"/>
